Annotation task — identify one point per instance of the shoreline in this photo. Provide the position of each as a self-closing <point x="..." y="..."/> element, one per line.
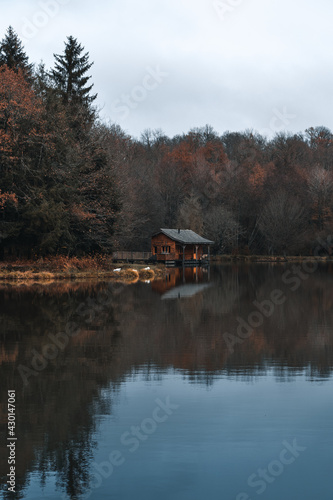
<point x="50" y="271"/>
<point x="102" y="268"/>
<point x="221" y="259"/>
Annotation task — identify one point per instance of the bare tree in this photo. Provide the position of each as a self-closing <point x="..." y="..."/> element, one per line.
<point x="190" y="215"/>
<point x="320" y="185"/>
<point x="221" y="226"/>
<point x="283" y="222"/>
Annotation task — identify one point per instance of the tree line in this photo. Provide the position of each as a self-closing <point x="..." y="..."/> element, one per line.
<point x="72" y="185"/>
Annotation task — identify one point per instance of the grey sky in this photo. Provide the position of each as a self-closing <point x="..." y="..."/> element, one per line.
<point x="178" y="64"/>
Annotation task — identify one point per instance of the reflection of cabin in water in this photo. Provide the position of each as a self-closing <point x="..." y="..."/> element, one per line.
<point x="180" y="282"/>
<point x="177" y="276"/>
<point x="177" y="246"/>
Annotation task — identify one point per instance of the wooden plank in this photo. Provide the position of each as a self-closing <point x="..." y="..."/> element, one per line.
<point x="125" y="255"/>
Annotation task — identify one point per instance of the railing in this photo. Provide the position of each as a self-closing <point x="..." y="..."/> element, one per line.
<point x="131" y="255"/>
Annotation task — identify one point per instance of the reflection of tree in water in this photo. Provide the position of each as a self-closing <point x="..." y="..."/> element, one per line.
<point x="58" y="406"/>
<point x="133" y="329"/>
<point x="71" y="461"/>
<point x="225" y="297"/>
<point x="188" y="333"/>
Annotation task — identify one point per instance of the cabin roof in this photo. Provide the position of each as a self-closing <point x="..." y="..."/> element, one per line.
<point x="185" y="236"/>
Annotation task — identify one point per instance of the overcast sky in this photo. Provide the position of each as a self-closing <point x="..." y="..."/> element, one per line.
<point x="265" y="65"/>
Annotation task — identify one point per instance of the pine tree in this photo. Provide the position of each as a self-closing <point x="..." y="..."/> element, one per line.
<point x="70" y="74"/>
<point x="12" y="53"/>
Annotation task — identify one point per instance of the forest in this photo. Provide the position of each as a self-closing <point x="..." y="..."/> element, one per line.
<point x="73" y="185"/>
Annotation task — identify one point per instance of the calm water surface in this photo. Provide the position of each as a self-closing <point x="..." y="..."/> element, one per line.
<point x="215" y="384"/>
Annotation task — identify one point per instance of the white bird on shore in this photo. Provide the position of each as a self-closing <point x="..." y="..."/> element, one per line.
<point x="117" y="270"/>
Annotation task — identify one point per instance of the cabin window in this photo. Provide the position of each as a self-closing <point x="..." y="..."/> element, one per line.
<point x="166" y="249"/>
<point x="155" y="249"/>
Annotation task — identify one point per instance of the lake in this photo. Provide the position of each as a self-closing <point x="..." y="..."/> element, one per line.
<point x="215" y="383"/>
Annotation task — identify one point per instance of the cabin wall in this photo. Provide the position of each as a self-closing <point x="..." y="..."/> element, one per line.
<point x="164" y="248"/>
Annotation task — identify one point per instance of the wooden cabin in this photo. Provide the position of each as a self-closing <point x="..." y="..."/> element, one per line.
<point x="180" y="246"/>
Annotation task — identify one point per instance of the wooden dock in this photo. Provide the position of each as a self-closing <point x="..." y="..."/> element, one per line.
<point x="148" y="257"/>
<point x="187" y="263"/>
<point x="131" y="257"/>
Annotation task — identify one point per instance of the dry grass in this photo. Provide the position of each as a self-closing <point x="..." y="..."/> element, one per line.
<point x="27" y="275"/>
<point x="75" y="268"/>
<point x="129" y="275"/>
<point x="146" y="274"/>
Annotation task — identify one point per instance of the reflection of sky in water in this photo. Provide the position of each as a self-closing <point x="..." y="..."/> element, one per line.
<point x="220" y="435"/>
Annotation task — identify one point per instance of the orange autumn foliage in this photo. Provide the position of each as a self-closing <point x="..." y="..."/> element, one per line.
<point x="257" y="177"/>
<point x="21" y="121"/>
<point x="7" y="197"/>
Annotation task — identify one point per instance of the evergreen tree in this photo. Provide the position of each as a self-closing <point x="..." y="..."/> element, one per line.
<point x="70" y="74"/>
<point x="12" y="53"/>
